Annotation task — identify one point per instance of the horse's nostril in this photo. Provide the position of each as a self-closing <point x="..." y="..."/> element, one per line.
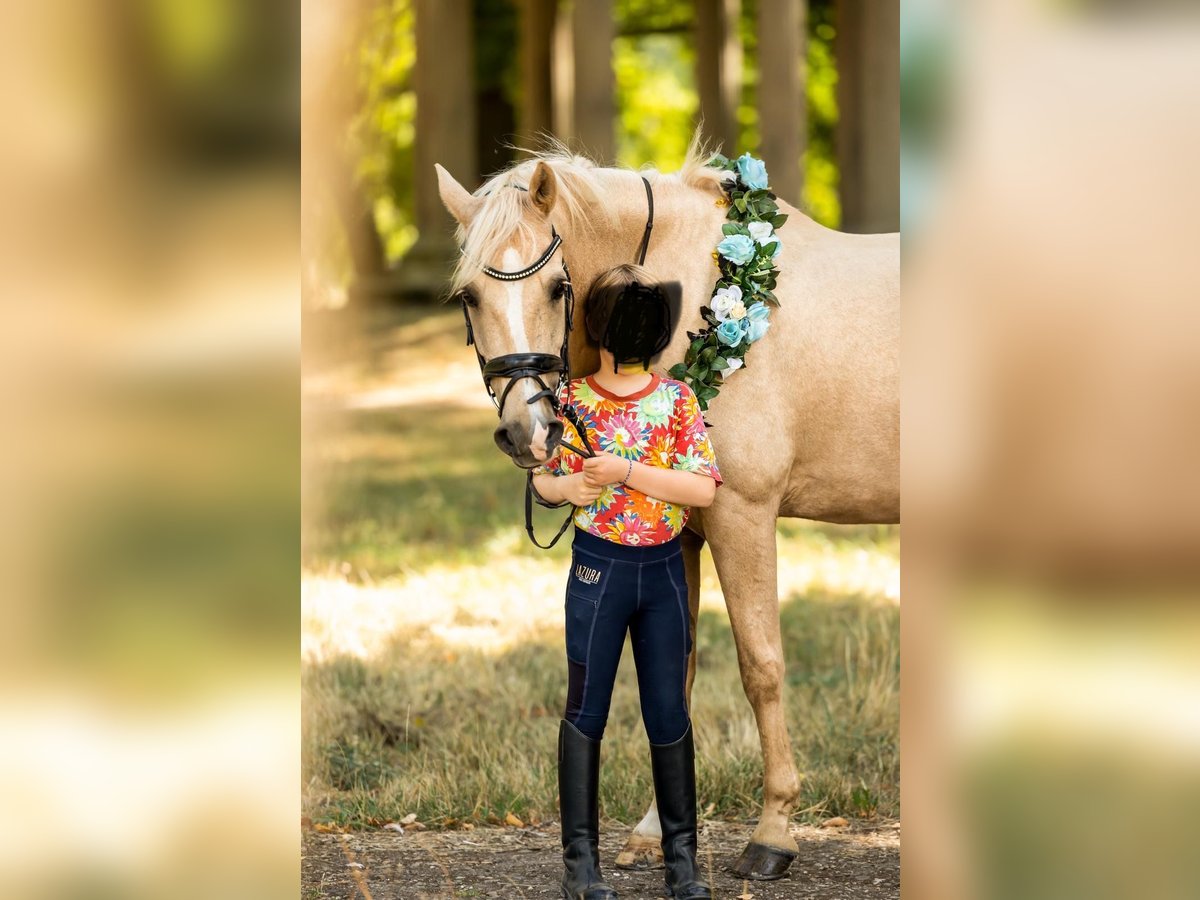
<point x="554" y="433"/>
<point x="504" y="439"/>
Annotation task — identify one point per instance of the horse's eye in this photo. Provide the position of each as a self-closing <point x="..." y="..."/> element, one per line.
<point x="558" y="290"/>
<point x="468" y="297"/>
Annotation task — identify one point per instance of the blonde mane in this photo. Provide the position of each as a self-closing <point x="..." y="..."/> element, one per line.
<point x="503" y="218"/>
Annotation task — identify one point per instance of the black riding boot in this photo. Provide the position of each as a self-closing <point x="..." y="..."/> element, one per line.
<point x="674" y="769"/>
<point x="578" y="783"/>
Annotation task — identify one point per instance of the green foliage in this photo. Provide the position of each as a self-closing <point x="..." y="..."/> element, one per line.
<point x="644" y="16"/>
<point x="382" y="134"/>
<point x="656" y="99"/>
<point x="820" y="198"/>
<point x="654" y="62"/>
<point x="707" y="359"/>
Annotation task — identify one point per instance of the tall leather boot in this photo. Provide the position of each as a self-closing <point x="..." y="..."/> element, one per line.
<point x="674" y="770"/>
<point x="578" y="784"/>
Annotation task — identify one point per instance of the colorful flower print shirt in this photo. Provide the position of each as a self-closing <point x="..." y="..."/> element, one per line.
<point x="660" y="425"/>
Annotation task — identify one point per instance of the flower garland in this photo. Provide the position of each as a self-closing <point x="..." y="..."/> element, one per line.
<point x="739" y="312"/>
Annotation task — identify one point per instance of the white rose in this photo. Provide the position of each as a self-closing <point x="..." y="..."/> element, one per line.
<point x="761" y="232"/>
<point x="738" y="311"/>
<point x="731" y="366"/>
<point x="723" y="301"/>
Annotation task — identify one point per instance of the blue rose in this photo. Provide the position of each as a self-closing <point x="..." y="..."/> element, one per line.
<point x="756" y="330"/>
<point x="737" y="248"/>
<point x="756" y="323"/>
<point x="729" y="333"/>
<point x="753" y="172"/>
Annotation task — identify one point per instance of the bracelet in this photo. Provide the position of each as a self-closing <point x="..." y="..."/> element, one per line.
<point x="625" y="480"/>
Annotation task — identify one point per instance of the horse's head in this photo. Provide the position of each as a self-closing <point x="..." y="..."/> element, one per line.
<point x="518" y="322"/>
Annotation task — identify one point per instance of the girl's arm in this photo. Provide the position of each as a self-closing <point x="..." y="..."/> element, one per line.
<point x="573" y="488"/>
<point x="668" y="485"/>
<point x="673" y="485"/>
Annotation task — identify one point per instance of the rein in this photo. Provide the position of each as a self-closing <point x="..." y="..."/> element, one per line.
<point x="516" y="366"/>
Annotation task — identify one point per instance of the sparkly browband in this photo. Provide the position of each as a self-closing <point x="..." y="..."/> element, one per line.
<point x="529" y="270"/>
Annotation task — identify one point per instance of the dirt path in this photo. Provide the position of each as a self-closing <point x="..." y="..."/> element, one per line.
<point x="857" y="863"/>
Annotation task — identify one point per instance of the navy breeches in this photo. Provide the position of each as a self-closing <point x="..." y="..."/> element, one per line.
<point x="613" y="587"/>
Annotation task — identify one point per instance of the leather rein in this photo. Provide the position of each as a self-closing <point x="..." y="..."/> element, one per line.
<point x="517" y="366"/>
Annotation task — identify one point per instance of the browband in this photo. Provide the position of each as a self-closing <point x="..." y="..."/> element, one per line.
<point x="528" y="270"/>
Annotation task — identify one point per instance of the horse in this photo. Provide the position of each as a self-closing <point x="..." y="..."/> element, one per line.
<point x="808" y="428"/>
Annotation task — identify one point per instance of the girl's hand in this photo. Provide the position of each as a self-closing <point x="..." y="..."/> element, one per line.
<point x="578" y="491"/>
<point x="604" y="469"/>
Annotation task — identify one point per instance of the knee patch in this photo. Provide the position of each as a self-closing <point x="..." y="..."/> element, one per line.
<point x="576" y="673"/>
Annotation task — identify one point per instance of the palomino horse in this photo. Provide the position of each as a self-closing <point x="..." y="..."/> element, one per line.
<point x="809" y="428"/>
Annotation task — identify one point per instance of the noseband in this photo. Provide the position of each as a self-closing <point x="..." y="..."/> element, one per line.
<point x="518" y="366"/>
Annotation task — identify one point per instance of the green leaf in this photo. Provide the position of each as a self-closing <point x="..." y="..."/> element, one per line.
<point x="678" y="371"/>
<point x="720" y="363"/>
<point x="731" y="228"/>
<point x="777" y="221"/>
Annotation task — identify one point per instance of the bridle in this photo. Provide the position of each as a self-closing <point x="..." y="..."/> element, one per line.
<point x="515" y="366"/>
<point x="518" y="366"/>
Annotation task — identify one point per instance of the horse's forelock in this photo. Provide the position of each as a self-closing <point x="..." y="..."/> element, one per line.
<point x="507" y="216"/>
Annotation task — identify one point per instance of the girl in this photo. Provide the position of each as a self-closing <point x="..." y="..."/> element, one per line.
<point x="654" y="460"/>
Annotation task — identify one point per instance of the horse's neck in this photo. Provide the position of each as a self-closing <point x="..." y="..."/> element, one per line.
<point x="687" y="225"/>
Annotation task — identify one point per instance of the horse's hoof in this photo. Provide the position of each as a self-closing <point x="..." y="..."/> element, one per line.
<point x="640" y="852"/>
<point x="759" y="862"/>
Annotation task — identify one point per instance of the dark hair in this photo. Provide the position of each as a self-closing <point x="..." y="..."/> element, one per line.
<point x="628" y="314"/>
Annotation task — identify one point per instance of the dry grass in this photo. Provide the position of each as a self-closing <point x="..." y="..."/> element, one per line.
<point x="434" y="670"/>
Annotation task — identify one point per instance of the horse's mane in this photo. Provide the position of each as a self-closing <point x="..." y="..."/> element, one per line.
<point x="502" y="218"/>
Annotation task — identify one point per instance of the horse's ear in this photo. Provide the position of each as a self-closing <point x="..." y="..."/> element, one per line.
<point x="461" y="203"/>
<point x="543" y="188"/>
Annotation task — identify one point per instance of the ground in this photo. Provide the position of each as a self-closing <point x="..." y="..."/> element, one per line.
<point x="860" y="861"/>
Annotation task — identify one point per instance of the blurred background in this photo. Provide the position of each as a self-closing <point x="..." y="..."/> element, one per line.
<point x="149" y="464"/>
<point x="810" y="85"/>
<point x="1051" y="429"/>
<point x="433" y="671"/>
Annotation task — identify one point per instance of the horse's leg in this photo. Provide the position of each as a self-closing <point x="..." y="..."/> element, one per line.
<point x="643" y="849"/>
<point x="742" y="536"/>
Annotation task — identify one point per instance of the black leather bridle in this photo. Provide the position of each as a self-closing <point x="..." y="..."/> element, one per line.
<point x="517" y="366"/>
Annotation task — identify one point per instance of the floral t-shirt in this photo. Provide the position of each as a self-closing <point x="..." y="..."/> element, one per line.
<point x="661" y="426"/>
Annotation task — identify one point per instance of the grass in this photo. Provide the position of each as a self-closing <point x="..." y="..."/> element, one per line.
<point x="434" y="671"/>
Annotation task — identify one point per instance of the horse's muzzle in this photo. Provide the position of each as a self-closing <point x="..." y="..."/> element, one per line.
<point x="514" y="441"/>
